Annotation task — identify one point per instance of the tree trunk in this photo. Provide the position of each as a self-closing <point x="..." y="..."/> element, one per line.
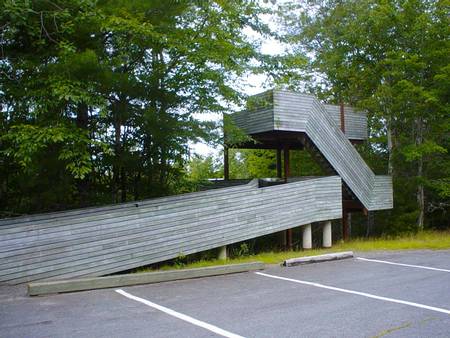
<point x="123" y="185"/>
<point x="420" y="189"/>
<point x="370" y="221"/>
<point x="390" y="148"/>
<point x="83" y="184"/>
<point x="117" y="159"/>
<point x="137" y="181"/>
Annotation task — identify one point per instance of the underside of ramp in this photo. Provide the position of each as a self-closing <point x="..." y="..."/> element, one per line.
<point x="100" y="241"/>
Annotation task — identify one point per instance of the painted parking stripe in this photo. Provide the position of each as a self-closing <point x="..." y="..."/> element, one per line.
<point x="364" y="294"/>
<point x="401" y="264"/>
<point x="181" y="316"/>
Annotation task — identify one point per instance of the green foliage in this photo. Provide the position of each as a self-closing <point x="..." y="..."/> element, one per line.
<point x="233" y="134"/>
<point x="203" y="168"/>
<point x="391" y="59"/>
<point x="244" y="250"/>
<point x="259" y="163"/>
<point x="27" y="141"/>
<point x="98" y="97"/>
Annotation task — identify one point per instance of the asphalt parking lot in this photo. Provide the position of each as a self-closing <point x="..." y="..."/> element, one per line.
<point x="348" y="298"/>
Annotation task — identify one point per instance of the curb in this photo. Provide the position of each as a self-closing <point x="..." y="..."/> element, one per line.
<point x="82" y="284"/>
<point x="318" y="259"/>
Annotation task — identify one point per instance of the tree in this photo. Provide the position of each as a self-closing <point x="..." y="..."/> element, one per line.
<point x="390" y="58"/>
<point x="97" y="97"/>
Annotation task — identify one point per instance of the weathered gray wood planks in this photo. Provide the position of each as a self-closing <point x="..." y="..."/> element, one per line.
<point x="303" y="113"/>
<point x="99" y="241"/>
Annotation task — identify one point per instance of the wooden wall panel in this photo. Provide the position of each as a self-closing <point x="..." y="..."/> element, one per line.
<point x="296" y="112"/>
<point x="99" y="241"/>
<point x="355" y="121"/>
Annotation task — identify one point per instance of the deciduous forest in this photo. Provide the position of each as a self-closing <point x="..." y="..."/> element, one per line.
<point x="101" y="100"/>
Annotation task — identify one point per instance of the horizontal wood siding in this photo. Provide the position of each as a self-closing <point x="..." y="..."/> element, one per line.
<point x="298" y="112"/>
<point x="254" y="121"/>
<point x="258" y="117"/>
<point x="355" y="121"/>
<point x="382" y="193"/>
<point x="329" y="139"/>
<point x="99" y="241"/>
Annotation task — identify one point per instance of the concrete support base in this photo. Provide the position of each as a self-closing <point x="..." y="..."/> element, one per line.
<point x="222" y="253"/>
<point x="307" y="237"/>
<point x="327" y="240"/>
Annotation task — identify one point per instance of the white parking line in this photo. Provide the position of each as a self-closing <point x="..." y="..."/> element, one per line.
<point x="181" y="316"/>
<point x="368" y="295"/>
<point x="401" y="264"/>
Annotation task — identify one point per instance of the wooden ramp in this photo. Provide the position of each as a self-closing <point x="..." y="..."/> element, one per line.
<point x="100" y="241"/>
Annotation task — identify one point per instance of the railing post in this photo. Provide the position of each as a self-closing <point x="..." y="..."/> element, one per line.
<point x="279" y="174"/>
<point x="226" y="165"/>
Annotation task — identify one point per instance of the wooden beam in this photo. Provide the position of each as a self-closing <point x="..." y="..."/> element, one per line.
<point x="286" y="175"/>
<point x="92" y="283"/>
<point x="283" y="243"/>
<point x="226" y="164"/>
<point x="345" y="225"/>
<point x="353" y="206"/>
<point x="289" y="239"/>
<point x="286" y="163"/>
<point x="279" y="174"/>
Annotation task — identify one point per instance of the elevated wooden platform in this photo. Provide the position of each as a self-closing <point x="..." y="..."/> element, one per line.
<point x="280" y="118"/>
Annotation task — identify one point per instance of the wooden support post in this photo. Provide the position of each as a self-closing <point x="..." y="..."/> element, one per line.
<point x="288" y="233"/>
<point x="286" y="163"/>
<point x="279" y="163"/>
<point x="226" y="164"/>
<point x="342" y="118"/>
<point x="345" y="228"/>
<point x="283" y="243"/>
<point x="349" y="223"/>
<point x="289" y="239"/>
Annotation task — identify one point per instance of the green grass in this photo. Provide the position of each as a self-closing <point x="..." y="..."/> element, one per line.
<point x="432" y="240"/>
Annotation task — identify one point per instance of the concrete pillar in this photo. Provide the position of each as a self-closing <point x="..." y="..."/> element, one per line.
<point x="307" y="237"/>
<point x="327" y="241"/>
<point x="222" y="253"/>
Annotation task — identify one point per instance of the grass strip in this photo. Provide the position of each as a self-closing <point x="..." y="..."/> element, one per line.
<point x="432" y="240"/>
